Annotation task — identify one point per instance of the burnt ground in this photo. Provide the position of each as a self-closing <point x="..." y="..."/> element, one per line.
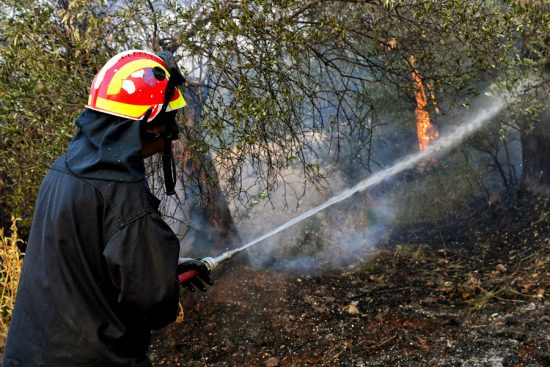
<point x="469" y="294"/>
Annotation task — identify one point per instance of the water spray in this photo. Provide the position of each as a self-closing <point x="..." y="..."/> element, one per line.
<point x="437" y="147"/>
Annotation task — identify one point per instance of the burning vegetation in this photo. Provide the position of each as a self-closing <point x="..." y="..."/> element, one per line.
<point x="426" y="131"/>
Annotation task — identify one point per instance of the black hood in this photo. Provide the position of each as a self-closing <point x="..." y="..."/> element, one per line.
<point x="106" y="147"/>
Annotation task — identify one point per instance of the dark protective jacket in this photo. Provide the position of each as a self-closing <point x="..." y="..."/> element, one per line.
<point x="100" y="267"/>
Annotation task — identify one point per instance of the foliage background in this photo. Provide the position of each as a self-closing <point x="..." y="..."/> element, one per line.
<point x="321" y="87"/>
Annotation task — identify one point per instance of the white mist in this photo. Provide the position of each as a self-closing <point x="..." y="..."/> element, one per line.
<point x="443" y="144"/>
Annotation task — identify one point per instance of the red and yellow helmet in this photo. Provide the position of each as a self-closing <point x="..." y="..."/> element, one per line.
<point x="130" y="84"/>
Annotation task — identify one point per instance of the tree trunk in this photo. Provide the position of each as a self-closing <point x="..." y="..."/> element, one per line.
<point x="536" y="156"/>
<point x="211" y="227"/>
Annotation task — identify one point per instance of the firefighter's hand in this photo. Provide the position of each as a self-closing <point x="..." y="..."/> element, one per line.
<point x="197" y="281"/>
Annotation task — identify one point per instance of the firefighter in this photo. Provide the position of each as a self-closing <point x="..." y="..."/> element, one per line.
<point x="101" y="266"/>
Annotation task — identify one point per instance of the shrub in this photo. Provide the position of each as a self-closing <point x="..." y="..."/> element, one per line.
<point x="11" y="261"/>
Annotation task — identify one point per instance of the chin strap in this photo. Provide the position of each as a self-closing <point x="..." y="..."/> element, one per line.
<point x="168" y="161"/>
<point x="169" y="168"/>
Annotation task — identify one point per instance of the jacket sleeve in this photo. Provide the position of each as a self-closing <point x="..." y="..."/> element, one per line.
<point x="142" y="260"/>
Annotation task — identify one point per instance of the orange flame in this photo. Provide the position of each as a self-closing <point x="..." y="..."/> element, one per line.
<point x="425" y="130"/>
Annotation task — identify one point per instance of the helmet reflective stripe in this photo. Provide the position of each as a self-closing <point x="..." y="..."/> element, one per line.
<point x="128" y="85"/>
<point x="127" y="70"/>
<point x="103" y="105"/>
<point x="108" y="65"/>
<point x="176" y="103"/>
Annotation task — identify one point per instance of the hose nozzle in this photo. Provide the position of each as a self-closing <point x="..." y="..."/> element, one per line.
<point x="212" y="263"/>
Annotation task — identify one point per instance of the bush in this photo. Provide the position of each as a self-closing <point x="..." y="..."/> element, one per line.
<point x="11" y="261"/>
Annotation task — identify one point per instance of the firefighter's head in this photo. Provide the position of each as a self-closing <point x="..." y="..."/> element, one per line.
<point x="142" y="86"/>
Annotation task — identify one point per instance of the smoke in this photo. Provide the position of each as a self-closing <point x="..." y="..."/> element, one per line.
<point x="309" y="230"/>
<point x="333" y="238"/>
<point x="323" y="231"/>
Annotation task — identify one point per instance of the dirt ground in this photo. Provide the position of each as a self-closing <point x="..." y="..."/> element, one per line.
<point x="476" y="296"/>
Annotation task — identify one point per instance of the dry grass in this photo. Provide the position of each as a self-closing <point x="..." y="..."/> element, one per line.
<point x="11" y="261"/>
